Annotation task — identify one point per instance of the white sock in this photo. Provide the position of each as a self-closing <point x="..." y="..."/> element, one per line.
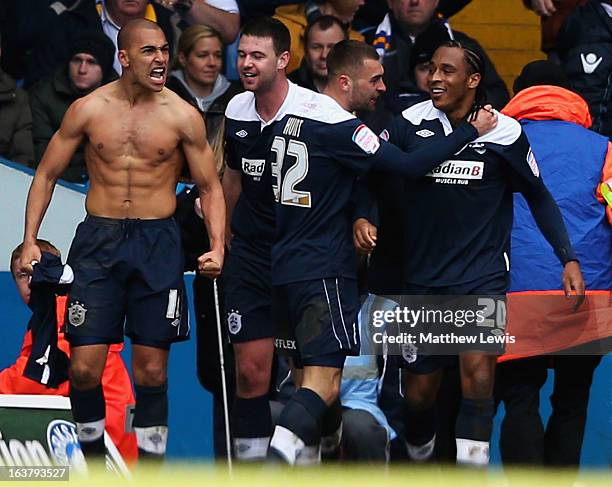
<point x="152" y="439"/>
<point x="286" y="443"/>
<point x="308" y="456"/>
<point x="421" y="453"/>
<point x="251" y="449"/>
<point x="90" y="431"/>
<point x="472" y="452"/>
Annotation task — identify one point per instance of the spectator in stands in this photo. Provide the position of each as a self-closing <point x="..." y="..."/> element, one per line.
<point x="15" y="122"/>
<point x="584" y="44"/>
<point x="394" y="41"/>
<point x="86" y="16"/>
<point x="90" y="66"/>
<point x="297" y="16"/>
<point x="373" y="11"/>
<point x="552" y="13"/>
<point x="572" y="160"/>
<point x="199" y="81"/>
<point x="221" y="15"/>
<point x="22" y="25"/>
<point x="118" y="393"/>
<point x="319" y="37"/>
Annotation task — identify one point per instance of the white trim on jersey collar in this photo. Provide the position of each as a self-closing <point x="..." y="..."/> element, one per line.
<point x="427" y="111"/>
<point x="507" y="131"/>
<point x="242" y="106"/>
<point x="299" y="101"/>
<point x="318" y="107"/>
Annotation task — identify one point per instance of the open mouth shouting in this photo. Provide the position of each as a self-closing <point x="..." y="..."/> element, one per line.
<point x="158" y="75"/>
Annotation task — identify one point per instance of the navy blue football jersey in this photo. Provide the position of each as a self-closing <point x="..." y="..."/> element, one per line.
<point x="458" y="217"/>
<point x="318" y="151"/>
<point x="247" y="147"/>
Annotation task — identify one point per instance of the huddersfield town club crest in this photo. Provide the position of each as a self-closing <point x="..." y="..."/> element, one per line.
<point x="76" y="314"/>
<point x="234" y="322"/>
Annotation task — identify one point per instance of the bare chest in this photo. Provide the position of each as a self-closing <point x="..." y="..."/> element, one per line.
<point x="141" y="136"/>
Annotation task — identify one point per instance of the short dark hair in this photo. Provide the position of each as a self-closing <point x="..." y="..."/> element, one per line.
<point x="268" y="27"/>
<point x="124" y="37"/>
<point x="325" y="22"/>
<point x="347" y="56"/>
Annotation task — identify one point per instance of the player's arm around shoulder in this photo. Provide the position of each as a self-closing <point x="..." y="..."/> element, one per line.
<point x="200" y="158"/>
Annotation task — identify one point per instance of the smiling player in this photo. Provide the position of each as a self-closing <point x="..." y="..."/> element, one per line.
<point x="263" y="55"/>
<point x="457" y="222"/>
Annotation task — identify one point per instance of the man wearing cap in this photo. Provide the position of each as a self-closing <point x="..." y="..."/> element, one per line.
<point x="90" y="65"/>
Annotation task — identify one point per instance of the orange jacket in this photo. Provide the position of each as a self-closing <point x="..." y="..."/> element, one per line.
<point x="116" y="384"/>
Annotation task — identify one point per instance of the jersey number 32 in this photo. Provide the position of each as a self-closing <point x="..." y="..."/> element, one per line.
<point x="284" y="187"/>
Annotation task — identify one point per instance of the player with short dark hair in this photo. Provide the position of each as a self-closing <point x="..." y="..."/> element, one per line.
<point x="319" y="148"/>
<point x="457" y="222"/>
<point x="262" y="58"/>
<point x="267" y="27"/>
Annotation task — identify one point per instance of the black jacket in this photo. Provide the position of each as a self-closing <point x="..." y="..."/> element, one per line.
<point x="15" y="122"/>
<point x="584" y="44"/>
<point x="47" y="363"/>
<point x="303" y="78"/>
<point x="53" y="48"/>
<point x="49" y="100"/>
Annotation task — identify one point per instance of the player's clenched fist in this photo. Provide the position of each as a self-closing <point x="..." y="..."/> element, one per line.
<point x="364" y="235"/>
<point x="210" y="264"/>
<point x="484" y="120"/>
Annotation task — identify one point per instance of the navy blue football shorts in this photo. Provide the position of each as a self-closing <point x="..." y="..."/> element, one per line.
<point x="421" y="363"/>
<point x="247" y="291"/>
<point x="316" y="321"/>
<point x="128" y="279"/>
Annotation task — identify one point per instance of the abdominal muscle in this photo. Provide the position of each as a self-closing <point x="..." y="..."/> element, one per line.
<point x="131" y="187"/>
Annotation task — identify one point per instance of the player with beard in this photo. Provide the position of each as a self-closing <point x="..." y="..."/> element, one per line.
<point x="126" y="255"/>
<point x="318" y="149"/>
